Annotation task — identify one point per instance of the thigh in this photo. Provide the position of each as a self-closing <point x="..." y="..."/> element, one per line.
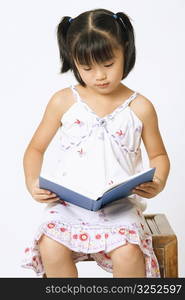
<point x="51" y="249"/>
<point x="126" y="252"/>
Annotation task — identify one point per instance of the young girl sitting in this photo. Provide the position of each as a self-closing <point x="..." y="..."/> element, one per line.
<point x="101" y="122"/>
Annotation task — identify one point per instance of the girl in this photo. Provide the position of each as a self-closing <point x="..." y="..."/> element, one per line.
<point x="102" y="122"/>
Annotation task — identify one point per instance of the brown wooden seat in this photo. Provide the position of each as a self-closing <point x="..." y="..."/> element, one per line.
<point x="164" y="243"/>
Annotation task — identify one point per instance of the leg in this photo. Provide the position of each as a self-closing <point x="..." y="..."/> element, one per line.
<point x="128" y="261"/>
<point x="56" y="258"/>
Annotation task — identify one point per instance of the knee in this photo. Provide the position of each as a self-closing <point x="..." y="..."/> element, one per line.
<point x="52" y="251"/>
<point x="127" y="253"/>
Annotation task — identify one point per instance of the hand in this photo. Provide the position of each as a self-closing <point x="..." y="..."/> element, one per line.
<point x="149" y="189"/>
<point x="42" y="195"/>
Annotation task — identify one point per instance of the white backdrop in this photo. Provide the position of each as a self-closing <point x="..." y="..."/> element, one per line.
<point x="29" y="69"/>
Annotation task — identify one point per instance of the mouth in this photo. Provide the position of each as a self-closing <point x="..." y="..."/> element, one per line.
<point x="102" y="85"/>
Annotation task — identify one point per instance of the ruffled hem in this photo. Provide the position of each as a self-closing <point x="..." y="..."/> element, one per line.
<point x="83" y="240"/>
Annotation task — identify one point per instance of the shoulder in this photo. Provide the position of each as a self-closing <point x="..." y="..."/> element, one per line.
<point x="60" y="101"/>
<point x="61" y="97"/>
<point x="143" y="108"/>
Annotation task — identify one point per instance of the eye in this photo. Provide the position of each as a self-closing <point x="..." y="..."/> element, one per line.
<point x="109" y="65"/>
<point x="87" y="69"/>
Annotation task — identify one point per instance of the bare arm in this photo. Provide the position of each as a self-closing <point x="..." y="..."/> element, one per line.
<point x="154" y="145"/>
<point x="32" y="163"/>
<point x="33" y="156"/>
<point x="155" y="148"/>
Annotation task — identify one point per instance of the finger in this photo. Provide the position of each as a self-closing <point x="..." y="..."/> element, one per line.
<point x="151" y="186"/>
<point x="144" y="189"/>
<point x="147" y="185"/>
<point x="48" y="200"/>
<point x="44" y="196"/>
<point x="142" y="193"/>
<point x="41" y="191"/>
<point x="52" y="200"/>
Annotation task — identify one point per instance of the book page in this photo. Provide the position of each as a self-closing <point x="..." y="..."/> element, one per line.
<point x="110" y="187"/>
<point x="95" y="195"/>
<point x="80" y="189"/>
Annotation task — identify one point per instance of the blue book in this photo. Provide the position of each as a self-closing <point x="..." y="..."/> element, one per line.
<point x="109" y="194"/>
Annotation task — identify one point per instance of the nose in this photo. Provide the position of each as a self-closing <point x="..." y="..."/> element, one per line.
<point x="100" y="75"/>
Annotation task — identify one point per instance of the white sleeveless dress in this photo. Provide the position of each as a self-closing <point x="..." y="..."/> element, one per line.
<point x="95" y="152"/>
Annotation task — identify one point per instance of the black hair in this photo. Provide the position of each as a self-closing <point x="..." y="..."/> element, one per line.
<point x="92" y="37"/>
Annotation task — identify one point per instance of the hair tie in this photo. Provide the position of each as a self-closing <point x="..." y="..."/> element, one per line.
<point x="70" y="20"/>
<point x="115" y="16"/>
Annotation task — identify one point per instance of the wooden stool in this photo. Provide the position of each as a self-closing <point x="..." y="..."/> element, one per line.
<point x="164" y="244"/>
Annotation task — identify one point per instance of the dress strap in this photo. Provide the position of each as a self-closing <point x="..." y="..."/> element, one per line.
<point x="75" y="93"/>
<point x="131" y="98"/>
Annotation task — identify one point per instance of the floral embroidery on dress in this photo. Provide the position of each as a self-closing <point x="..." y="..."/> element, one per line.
<point x="83" y="236"/>
<point x="110" y="182"/>
<point x="78" y="122"/>
<point x="63" y="229"/>
<point x="120" y="133"/>
<point x="51" y="225"/>
<point x="84" y="223"/>
<point x="122" y="231"/>
<point x="138" y="129"/>
<point x="154" y="263"/>
<point x="81" y="152"/>
<point x="62" y="202"/>
<point x="144" y="243"/>
<point x="132" y="231"/>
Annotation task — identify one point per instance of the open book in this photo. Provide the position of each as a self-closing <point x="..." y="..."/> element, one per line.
<point x="93" y="201"/>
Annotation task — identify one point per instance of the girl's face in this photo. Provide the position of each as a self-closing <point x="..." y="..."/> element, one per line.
<point x="104" y="77"/>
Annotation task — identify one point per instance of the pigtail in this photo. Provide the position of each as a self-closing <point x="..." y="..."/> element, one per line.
<point x="62" y="30"/>
<point x="128" y="36"/>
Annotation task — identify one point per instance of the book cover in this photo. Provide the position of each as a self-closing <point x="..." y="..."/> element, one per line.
<point x="107" y="195"/>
